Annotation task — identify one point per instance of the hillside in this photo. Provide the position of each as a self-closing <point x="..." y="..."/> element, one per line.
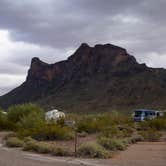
<point x="99" y="78"/>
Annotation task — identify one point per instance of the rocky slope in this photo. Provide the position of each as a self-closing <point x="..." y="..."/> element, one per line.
<point x="99" y="78"/>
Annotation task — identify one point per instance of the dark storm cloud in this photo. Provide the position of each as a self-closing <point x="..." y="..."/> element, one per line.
<point x="55" y="26"/>
<point x="65" y="24"/>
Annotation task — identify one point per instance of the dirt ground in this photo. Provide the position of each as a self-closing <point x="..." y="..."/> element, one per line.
<point x="140" y="154"/>
<point x="143" y="154"/>
<point x="70" y="144"/>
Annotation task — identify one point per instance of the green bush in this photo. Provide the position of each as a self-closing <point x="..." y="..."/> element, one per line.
<point x="43" y="147"/>
<point x="40" y="147"/>
<point x="93" y="150"/>
<point x="9" y="134"/>
<point x="99" y="122"/>
<point x="4" y="123"/>
<point x="47" y="131"/>
<point x="59" y="151"/>
<point x="127" y="130"/>
<point x="113" y="144"/>
<point x="88" y="125"/>
<point x="2" y="120"/>
<point x="52" y="131"/>
<point x="150" y="135"/>
<point x="137" y="138"/>
<point x="14" y="142"/>
<point x="127" y="141"/>
<point x="82" y="134"/>
<point x="158" y="123"/>
<point x="17" y="112"/>
<point x="29" y="124"/>
<point x="29" y="120"/>
<point x="112" y="132"/>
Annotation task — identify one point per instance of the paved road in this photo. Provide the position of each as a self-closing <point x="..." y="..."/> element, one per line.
<point x="141" y="154"/>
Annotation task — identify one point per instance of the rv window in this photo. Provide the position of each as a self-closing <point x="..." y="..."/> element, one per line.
<point x="146" y="113"/>
<point x="138" y="113"/>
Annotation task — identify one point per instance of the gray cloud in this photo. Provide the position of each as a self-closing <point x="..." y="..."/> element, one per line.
<point x="52" y="27"/>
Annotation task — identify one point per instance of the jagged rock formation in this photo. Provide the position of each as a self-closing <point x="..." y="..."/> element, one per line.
<point x="98" y="78"/>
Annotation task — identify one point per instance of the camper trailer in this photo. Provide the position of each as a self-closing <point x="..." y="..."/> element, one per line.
<point x="145" y="114"/>
<point x="54" y="115"/>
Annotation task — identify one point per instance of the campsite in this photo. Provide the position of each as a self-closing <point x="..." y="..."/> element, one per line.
<point x="92" y="136"/>
<point x="82" y="83"/>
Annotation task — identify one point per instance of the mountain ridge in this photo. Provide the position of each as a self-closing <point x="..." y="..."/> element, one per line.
<point x="99" y="78"/>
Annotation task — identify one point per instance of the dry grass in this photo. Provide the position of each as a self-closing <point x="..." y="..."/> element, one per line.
<point x="93" y="150"/>
<point x="14" y="142"/>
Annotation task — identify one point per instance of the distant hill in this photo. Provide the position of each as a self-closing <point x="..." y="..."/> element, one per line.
<point x="99" y="78"/>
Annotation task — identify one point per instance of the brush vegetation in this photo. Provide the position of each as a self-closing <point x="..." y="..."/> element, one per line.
<point x="114" y="131"/>
<point x="14" y="142"/>
<point x="93" y="150"/>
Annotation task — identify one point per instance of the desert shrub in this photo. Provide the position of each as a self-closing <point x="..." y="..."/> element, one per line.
<point x="150" y="135"/>
<point x="158" y="123"/>
<point x="52" y="131"/>
<point x="9" y="134"/>
<point x="28" y="139"/>
<point x="17" y="112"/>
<point x="59" y="151"/>
<point x="88" y="125"/>
<point x="32" y="120"/>
<point x="61" y="121"/>
<point x="143" y="125"/>
<point x="115" y="132"/>
<point x="30" y="124"/>
<point x="4" y="123"/>
<point x="113" y="144"/>
<point x="111" y="132"/>
<point x="99" y="122"/>
<point x="119" y="118"/>
<point x="34" y="125"/>
<point x="127" y="130"/>
<point x="14" y="142"/>
<point x="93" y="150"/>
<point x="127" y="141"/>
<point x="47" y="131"/>
<point x="43" y="147"/>
<point x="91" y="123"/>
<point x="40" y="147"/>
<point x="136" y="138"/>
<point x="82" y="134"/>
<point x="2" y="120"/>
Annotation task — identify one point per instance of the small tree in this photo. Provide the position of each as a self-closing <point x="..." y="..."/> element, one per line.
<point x="4" y="123"/>
<point x="17" y="112"/>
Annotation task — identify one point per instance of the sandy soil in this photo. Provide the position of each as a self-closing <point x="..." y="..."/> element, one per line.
<point x="141" y="154"/>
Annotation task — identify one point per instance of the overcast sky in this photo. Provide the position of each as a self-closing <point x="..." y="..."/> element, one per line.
<point x="53" y="29"/>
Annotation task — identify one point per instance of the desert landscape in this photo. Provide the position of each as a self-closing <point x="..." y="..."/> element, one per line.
<point x="82" y="82"/>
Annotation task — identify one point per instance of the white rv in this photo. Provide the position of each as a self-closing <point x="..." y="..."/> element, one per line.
<point x="145" y="114"/>
<point x="54" y="115"/>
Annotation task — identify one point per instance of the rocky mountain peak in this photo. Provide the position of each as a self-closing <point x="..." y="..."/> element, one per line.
<point x="98" y="77"/>
<point x="36" y="62"/>
<point x="85" y="61"/>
